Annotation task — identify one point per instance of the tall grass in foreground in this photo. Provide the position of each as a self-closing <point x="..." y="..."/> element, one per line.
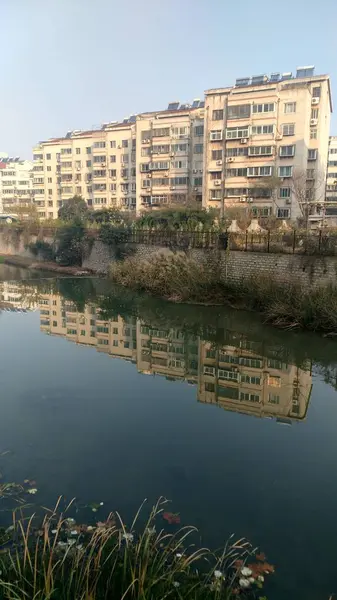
<point x="180" y="279"/>
<point x="61" y="560"/>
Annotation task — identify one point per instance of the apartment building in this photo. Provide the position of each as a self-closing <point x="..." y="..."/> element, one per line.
<point x="266" y="144"/>
<point x="98" y="165"/>
<point x="331" y="179"/>
<point x="169" y="155"/>
<point x="146" y="161"/>
<point x="241" y="380"/>
<point x="16" y="183"/>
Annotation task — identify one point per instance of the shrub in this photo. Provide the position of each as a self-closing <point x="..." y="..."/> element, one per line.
<point x="73" y="209"/>
<point x="61" y="560"/>
<point x="42" y="249"/>
<point x="71" y="242"/>
<point x="175" y="218"/>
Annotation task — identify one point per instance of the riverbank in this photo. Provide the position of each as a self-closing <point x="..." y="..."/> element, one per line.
<point x="179" y="279"/>
<point x="51" y="267"/>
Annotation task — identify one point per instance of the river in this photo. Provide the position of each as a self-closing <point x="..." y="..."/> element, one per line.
<point x="110" y="397"/>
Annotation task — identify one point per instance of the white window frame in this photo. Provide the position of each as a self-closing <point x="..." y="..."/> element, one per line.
<point x="262" y="151"/>
<point x="260" y="171"/>
<point x="215" y="135"/>
<point x="288" y="129"/>
<point x="284" y="196"/>
<point x="237" y="133"/>
<point x="266" y="129"/>
<point x="289" y="108"/>
<point x="292" y="146"/>
<point x="285" y="167"/>
<point x="265" y="107"/>
<point x="315" y="155"/>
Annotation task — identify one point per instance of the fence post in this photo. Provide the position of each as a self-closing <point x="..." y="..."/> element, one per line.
<point x="294" y="241"/>
<point x="268" y="240"/>
<point x="319" y="241"/>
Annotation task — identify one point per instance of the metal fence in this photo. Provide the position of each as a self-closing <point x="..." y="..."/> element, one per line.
<point x="288" y="242"/>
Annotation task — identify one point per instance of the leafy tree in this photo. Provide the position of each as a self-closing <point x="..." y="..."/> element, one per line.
<point x="74" y="209"/>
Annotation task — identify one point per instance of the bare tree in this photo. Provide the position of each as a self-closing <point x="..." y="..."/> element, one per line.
<point x="309" y="190"/>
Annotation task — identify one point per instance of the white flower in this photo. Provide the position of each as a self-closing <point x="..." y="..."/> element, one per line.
<point x="74" y="532"/>
<point x="128" y="537"/>
<point x="70" y="521"/>
<point x="176" y="584"/>
<point x="90" y="528"/>
<point x="244" y="583"/>
<point x="101" y="503"/>
<point x="217" y="574"/>
<point x="79" y="547"/>
<point x="32" y="491"/>
<point x="260" y="578"/>
<point x="54" y="531"/>
<point x="62" y="544"/>
<point x="94" y="509"/>
<point x="246" y="572"/>
<point x="179" y="555"/>
<point x="150" y="530"/>
<point x="251" y="579"/>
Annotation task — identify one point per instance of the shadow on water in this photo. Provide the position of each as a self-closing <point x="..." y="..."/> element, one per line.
<point x="226" y="472"/>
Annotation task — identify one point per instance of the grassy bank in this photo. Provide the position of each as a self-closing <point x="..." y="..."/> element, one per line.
<point x="59" y="559"/>
<point x="180" y="279"/>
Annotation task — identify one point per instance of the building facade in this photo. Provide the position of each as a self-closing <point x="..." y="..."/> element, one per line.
<point x="16" y="183"/>
<point x="331" y="179"/>
<point x="266" y="144"/>
<point x="147" y="161"/>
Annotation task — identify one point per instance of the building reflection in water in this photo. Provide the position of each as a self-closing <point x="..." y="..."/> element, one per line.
<point x="15" y="297"/>
<point x="233" y="376"/>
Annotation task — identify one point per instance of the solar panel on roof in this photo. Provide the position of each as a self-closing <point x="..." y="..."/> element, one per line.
<point x="132" y="119"/>
<point x="173" y="106"/>
<point x="183" y="106"/>
<point x="258" y="79"/>
<point x="305" y="71"/>
<point x="242" y="81"/>
<point x="286" y="76"/>
<point x="202" y="104"/>
<point x="196" y="103"/>
<point x="125" y="120"/>
<point x="275" y="77"/>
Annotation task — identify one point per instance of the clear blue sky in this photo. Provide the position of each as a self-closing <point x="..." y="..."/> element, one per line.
<point x="71" y="64"/>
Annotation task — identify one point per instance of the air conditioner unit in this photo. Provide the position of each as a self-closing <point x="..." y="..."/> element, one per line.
<point x="279" y="136"/>
<point x="119" y="147"/>
<point x="244" y="141"/>
<point x="243" y="198"/>
<point x="288" y="200"/>
<point x="149" y="174"/>
<point x="217" y="182"/>
<point x="313" y="122"/>
<point x="219" y="162"/>
<point x="250" y="199"/>
<point x="172" y="188"/>
<point x="230" y="159"/>
<point x="314" y="100"/>
<point x="195" y="170"/>
<point x="195" y="189"/>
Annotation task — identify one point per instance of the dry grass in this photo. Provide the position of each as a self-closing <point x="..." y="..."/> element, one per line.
<point x="59" y="560"/>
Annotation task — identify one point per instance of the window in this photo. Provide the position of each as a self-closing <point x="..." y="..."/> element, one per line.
<point x="78" y="190"/>
<point x="288" y="129"/>
<point x="160" y="181"/>
<point x="312" y="154"/>
<point x="99" y="144"/>
<point x="146" y="183"/>
<point x="50" y="180"/>
<point x="89" y="189"/>
<point x="263" y="108"/>
<point x="88" y="163"/>
<point x="274" y="399"/>
<point x="125" y="143"/>
<point x="246" y="397"/>
<point x="124" y="158"/>
<point x="99" y="200"/>
<point x="179" y="181"/>
<point x="48" y="156"/>
<point x="289" y="107"/>
<point x="113" y="187"/>
<point x="236" y="133"/>
<point x="215" y="194"/>
<point x="310" y="173"/>
<point x="209" y="370"/>
<point x="197" y="181"/>
<point x="241" y="111"/>
<point x="161" y="165"/>
<point x="48" y="169"/>
<point x="285" y="171"/>
<point x="316" y="92"/>
<point x="99" y="173"/>
<point x="158" y="149"/>
<point x="314" y="113"/>
<point x="274" y="380"/>
<point x="88" y="150"/>
<point x="98" y="159"/>
<point x="242" y="172"/>
<point x="217" y="115"/>
<point x="216" y="155"/>
<point x="313" y="133"/>
<point x="78" y="150"/>
<point x="216" y="134"/>
<point x="259" y="171"/>
<point x="199" y="130"/>
<point x="198" y="148"/>
<point x="216" y="175"/>
<point x="112" y="158"/>
<point x="179" y="164"/>
<point x="133" y="171"/>
<point x="283" y="213"/>
<point x="331" y="163"/>
<point x="103" y="342"/>
<point x="259" y="150"/>
<point x="252" y="379"/>
<point x="228" y="375"/>
<point x="209" y="387"/>
<point x="124" y="173"/>
<point x="287" y="151"/>
<point x="240" y="151"/>
<point x="161" y="132"/>
<point x="262" y="129"/>
<point x="179" y="148"/>
<point x="65" y="150"/>
<point x="113" y="144"/>
<point x="50" y="193"/>
<point x="179" y="131"/>
<point x="284" y="192"/>
<point x="144" y="167"/>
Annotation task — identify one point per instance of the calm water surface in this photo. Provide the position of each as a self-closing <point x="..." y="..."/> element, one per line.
<point x="115" y="398"/>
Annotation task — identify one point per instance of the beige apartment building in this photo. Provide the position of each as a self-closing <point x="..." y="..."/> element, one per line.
<point x="331" y="179"/>
<point x="148" y="160"/>
<point x="16" y="183"/>
<point x="266" y="144"/>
